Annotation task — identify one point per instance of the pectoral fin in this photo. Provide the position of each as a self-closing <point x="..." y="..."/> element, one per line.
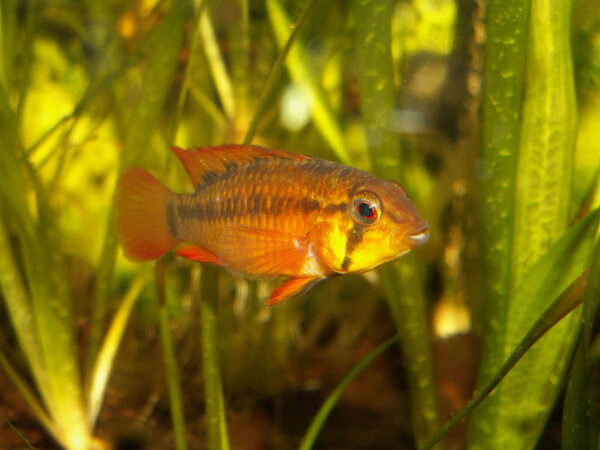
<point x="290" y="288"/>
<point x="261" y="254"/>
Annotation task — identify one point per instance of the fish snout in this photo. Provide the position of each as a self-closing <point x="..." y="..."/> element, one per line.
<point x="419" y="234"/>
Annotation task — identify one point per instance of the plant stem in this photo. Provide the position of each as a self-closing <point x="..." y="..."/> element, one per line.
<point x="402" y="279"/>
<point x="215" y="405"/>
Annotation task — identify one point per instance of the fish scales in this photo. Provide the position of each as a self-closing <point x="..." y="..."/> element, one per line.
<point x="245" y="194"/>
<point x="264" y="213"/>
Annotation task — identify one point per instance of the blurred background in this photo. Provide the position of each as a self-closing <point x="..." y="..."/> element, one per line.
<point x="89" y="88"/>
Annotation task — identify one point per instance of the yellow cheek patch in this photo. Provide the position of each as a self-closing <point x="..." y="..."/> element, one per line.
<point x="331" y="242"/>
<point x="376" y="247"/>
<point x="366" y="257"/>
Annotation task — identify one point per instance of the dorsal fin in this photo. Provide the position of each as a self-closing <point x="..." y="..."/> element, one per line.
<point x="203" y="160"/>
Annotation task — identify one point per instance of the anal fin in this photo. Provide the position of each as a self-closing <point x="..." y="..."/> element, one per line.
<point x="290" y="288"/>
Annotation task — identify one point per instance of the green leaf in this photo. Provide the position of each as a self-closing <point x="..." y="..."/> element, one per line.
<point x="521" y="409"/>
<point x="402" y="280"/>
<point x="108" y="350"/>
<point x="318" y="421"/>
<point x="164" y="45"/>
<point x="376" y="83"/>
<point x="216" y="64"/>
<point x="579" y="426"/>
<point x="303" y="73"/>
<point x="275" y="73"/>
<point x="213" y="390"/>
<point x="506" y="32"/>
<point x="526" y="210"/>
<point x="171" y="367"/>
<point x="37" y="293"/>
<point x="539" y="282"/>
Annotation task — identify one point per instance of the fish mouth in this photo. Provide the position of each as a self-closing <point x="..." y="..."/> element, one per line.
<point x="419" y="234"/>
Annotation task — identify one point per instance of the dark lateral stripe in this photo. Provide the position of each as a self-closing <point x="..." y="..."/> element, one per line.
<point x="171" y="219"/>
<point x="232" y="207"/>
<point x="307" y="205"/>
<point x="333" y="208"/>
<point x="187" y="210"/>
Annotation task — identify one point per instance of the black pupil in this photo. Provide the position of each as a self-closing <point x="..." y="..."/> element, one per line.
<point x="366" y="210"/>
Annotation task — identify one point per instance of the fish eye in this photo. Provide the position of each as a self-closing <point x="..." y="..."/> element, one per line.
<point x="366" y="208"/>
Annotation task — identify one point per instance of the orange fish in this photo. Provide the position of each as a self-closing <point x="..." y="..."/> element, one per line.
<point x="264" y="213"/>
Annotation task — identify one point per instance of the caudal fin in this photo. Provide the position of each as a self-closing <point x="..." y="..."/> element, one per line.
<point x="142" y="215"/>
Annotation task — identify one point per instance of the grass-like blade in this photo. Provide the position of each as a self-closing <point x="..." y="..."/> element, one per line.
<point x="518" y="410"/>
<point x="52" y="354"/>
<point x="579" y="425"/>
<point x="563" y="305"/>
<point x="216" y="64"/>
<point x="318" y="421"/>
<point x="108" y="350"/>
<point x="546" y="279"/>
<point x="505" y="50"/>
<point x="401" y="279"/>
<point x="171" y="367"/>
<point x="173" y="379"/>
<point x="29" y="397"/>
<point x="17" y="432"/>
<point x="303" y="73"/>
<point x="165" y="43"/>
<point x="275" y="73"/>
<point x="579" y="422"/>
<point x="215" y="405"/>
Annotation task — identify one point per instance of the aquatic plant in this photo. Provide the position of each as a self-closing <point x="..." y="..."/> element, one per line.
<point x="494" y="139"/>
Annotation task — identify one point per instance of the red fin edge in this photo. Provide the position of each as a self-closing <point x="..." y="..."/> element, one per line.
<point x="198" y="161"/>
<point x="196" y="253"/>
<point x="290" y="288"/>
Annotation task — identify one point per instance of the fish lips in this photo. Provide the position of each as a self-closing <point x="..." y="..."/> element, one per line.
<point x="418" y="234"/>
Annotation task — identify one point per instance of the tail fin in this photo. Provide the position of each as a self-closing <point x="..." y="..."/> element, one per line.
<point x="142" y="215"/>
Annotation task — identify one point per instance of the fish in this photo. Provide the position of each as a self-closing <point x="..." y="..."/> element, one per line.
<point x="265" y="213"/>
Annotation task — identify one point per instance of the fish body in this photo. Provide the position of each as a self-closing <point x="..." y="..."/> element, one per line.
<point x="267" y="213"/>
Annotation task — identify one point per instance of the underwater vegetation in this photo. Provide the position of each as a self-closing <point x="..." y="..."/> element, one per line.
<point x="486" y="113"/>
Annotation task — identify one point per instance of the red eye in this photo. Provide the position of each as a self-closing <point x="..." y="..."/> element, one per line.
<point x="366" y="210"/>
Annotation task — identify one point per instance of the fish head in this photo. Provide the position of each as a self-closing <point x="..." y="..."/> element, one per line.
<point x="377" y="223"/>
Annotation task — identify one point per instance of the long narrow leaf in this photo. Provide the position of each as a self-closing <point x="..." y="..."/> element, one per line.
<point x="303" y="73"/>
<point x="215" y="405"/>
<point x="556" y="312"/>
<point x="216" y="64"/>
<point x="109" y="348"/>
<point x="545" y="279"/>
<point x="318" y="421"/>
<point x="30" y="398"/>
<point x="506" y="31"/>
<point x="579" y="425"/>
<point x="275" y="72"/>
<point x="52" y="350"/>
<point x="165" y="43"/>
<point x="542" y="193"/>
<point x="401" y="279"/>
<point x="171" y="367"/>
